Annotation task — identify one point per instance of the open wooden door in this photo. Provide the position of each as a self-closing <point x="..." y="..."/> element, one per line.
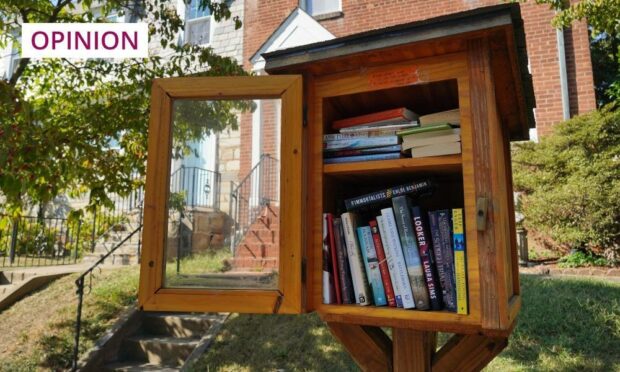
<point x="227" y="238"/>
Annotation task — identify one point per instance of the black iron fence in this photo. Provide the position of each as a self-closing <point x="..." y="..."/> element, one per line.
<point x="248" y="198"/>
<point x="36" y="241"/>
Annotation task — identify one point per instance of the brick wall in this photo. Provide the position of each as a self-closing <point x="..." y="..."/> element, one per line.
<point x="262" y="17"/>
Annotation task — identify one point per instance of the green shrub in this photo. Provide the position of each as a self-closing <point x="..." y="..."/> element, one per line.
<point x="581" y="259"/>
<point x="570" y="183"/>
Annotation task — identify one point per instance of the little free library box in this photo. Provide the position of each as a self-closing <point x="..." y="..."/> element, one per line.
<point x="366" y="178"/>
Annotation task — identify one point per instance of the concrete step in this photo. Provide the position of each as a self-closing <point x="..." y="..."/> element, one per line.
<point x="255" y="263"/>
<point x="7" y="288"/>
<point x="15" y="276"/>
<point x="120" y="259"/>
<point x="169" y="351"/>
<point x="131" y="366"/>
<point x="176" y="325"/>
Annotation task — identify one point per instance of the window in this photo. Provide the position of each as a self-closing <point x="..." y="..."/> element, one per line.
<point x="197" y="23"/>
<point x="319" y="7"/>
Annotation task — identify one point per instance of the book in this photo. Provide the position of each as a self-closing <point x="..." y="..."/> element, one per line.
<point x="404" y="223"/>
<point x="441" y="233"/>
<point x="449" y="116"/>
<point x="344" y="271"/>
<point x="460" y="265"/>
<point x="427" y="258"/>
<point x="341" y="136"/>
<point x="379" y="128"/>
<point x="371" y="262"/>
<point x="436" y="150"/>
<point x="333" y="256"/>
<point x="414" y="188"/>
<point x="440" y="136"/>
<point x="328" y="275"/>
<point x="394" y="116"/>
<point x="356" y="264"/>
<point x="370" y="157"/>
<point x="383" y="264"/>
<point x="426" y="129"/>
<point x="395" y="248"/>
<point x="359" y="143"/>
<point x="391" y="261"/>
<point x="355" y="152"/>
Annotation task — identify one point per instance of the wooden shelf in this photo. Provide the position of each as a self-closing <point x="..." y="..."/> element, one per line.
<point x="438" y="164"/>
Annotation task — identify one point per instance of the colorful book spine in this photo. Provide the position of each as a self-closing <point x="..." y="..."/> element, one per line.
<point x="340" y="136"/>
<point x="374" y="150"/>
<point x="328" y="277"/>
<point x="333" y="256"/>
<point x="416" y="188"/>
<point x="382" y="117"/>
<point x="439" y="222"/>
<point x="404" y="223"/>
<point x="383" y="264"/>
<point x="358" y="273"/>
<point x="460" y="265"/>
<point x="401" y="267"/>
<point x="360" y="143"/>
<point x="353" y="159"/>
<point x="391" y="261"/>
<point x="426" y="256"/>
<point x="344" y="272"/>
<point x="371" y="262"/>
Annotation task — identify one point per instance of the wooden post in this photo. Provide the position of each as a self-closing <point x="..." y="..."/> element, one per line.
<point x="413" y="350"/>
<point x="370" y="347"/>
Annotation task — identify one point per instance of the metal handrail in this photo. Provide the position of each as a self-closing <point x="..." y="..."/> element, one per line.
<point x="79" y="282"/>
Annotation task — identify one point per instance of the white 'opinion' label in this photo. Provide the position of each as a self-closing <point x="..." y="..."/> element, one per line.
<point x="85" y="40"/>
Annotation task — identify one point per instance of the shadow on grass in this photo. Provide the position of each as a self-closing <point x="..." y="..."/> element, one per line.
<point x="565" y="324"/>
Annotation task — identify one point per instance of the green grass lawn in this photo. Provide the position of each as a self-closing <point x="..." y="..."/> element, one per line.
<point x="564" y="325"/>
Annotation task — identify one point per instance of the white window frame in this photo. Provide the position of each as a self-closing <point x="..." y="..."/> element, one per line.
<point x="307" y="6"/>
<point x="185" y="12"/>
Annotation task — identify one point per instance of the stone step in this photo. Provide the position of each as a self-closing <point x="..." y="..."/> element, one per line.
<point x="255" y="263"/>
<point x="177" y="325"/>
<point x="114" y="259"/>
<point x="7" y="288"/>
<point x="132" y="366"/>
<point x="169" y="351"/>
<point x="12" y="277"/>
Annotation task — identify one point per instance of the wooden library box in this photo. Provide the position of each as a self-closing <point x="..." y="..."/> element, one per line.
<point x="473" y="61"/>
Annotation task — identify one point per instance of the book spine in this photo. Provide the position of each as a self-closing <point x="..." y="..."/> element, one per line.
<point x="351" y="159"/>
<point x="444" y="268"/>
<point x="372" y="265"/>
<point x="444" y="218"/>
<point x="391" y="261"/>
<point x="416" y="188"/>
<point x="358" y="274"/>
<point x="398" y="113"/>
<point x="358" y="143"/>
<point x="383" y="264"/>
<point x="460" y="266"/>
<point x="410" y="251"/>
<point x="374" y="150"/>
<point x="334" y="256"/>
<point x="340" y="136"/>
<point x="344" y="272"/>
<point x="328" y="279"/>
<point x="401" y="266"/>
<point x="426" y="255"/>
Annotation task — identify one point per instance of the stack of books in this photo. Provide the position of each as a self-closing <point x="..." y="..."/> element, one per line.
<point x="438" y="134"/>
<point x="402" y="256"/>
<point x="367" y="137"/>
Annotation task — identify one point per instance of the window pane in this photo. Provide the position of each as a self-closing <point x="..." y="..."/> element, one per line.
<point x="316" y="7"/>
<point x="223" y="205"/>
<point x="194" y="10"/>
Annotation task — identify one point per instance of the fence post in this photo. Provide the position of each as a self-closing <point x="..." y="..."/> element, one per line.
<point x="522" y="244"/>
<point x="94" y="230"/>
<point x="77" y="242"/>
<point x="13" y="241"/>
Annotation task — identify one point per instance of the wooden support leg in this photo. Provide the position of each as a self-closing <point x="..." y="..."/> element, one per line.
<point x="413" y="350"/>
<point x="468" y="353"/>
<point x="370" y="347"/>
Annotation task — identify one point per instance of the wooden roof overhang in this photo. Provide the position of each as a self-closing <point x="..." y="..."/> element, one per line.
<point x="501" y="25"/>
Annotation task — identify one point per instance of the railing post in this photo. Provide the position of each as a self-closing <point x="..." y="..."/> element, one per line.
<point x="13" y="241"/>
<point x="193" y="186"/>
<point x="94" y="230"/>
<point x="77" y="242"/>
<point x="78" y="323"/>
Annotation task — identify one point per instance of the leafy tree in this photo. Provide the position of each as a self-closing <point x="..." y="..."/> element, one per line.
<point x="571" y="183"/>
<point x="58" y="117"/>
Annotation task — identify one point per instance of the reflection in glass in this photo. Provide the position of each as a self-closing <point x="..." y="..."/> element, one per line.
<point x="223" y="206"/>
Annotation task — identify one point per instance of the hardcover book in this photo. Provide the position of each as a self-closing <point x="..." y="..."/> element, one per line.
<point x="391" y="261"/>
<point x="404" y="223"/>
<point x="358" y="273"/>
<point x="359" y="143"/>
<point x="370" y="157"/>
<point x="380" y="128"/>
<point x="426" y="255"/>
<point x="356" y="152"/>
<point x="369" y="254"/>
<point x="415" y="188"/>
<point x="394" y="116"/>
<point x="439" y="222"/>
<point x="328" y="277"/>
<point x="344" y="271"/>
<point x="442" y="136"/>
<point x="333" y="256"/>
<point x="438" y="149"/>
<point x="449" y="116"/>
<point x="429" y="128"/>
<point x="460" y="264"/>
<point x="402" y="269"/>
<point x="383" y="264"/>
